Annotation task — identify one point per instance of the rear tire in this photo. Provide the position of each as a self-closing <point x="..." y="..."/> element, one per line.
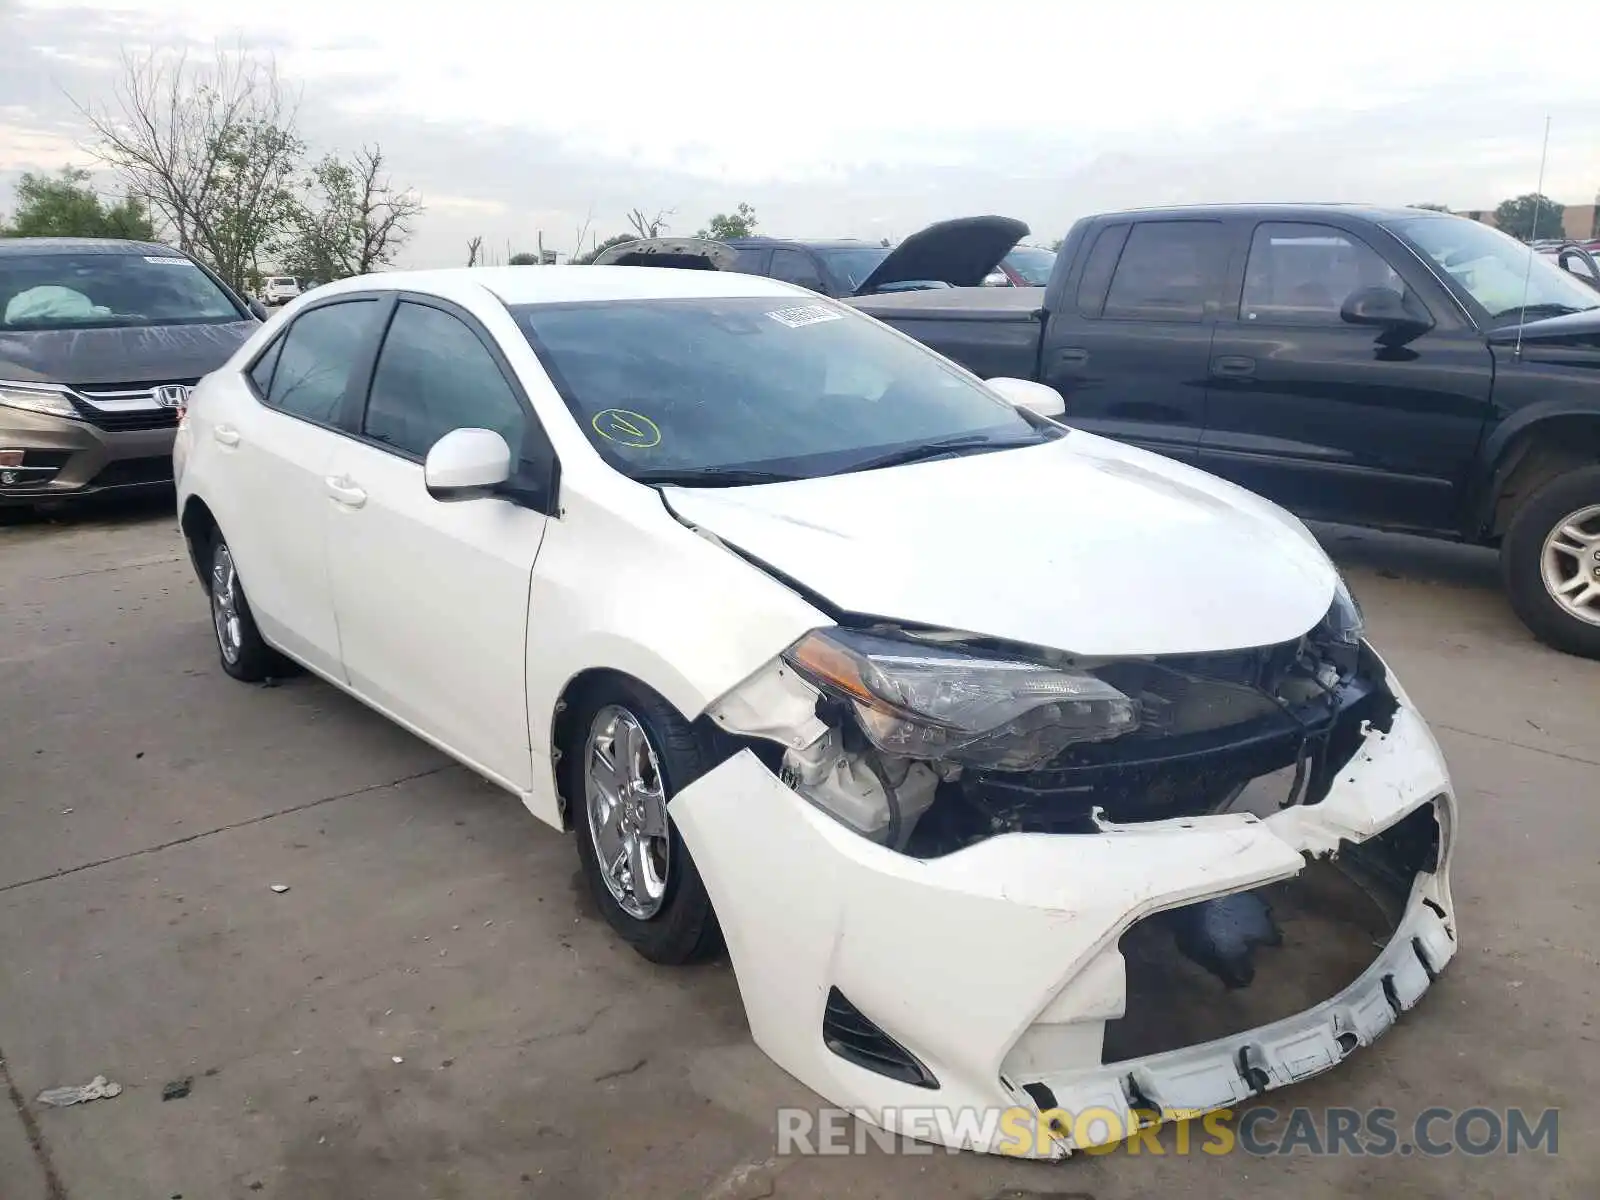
<point x="656" y="900"/>
<point x="245" y="656"/>
<point x="1550" y="561"/>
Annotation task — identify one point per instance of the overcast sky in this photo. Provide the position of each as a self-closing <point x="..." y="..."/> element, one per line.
<point x="864" y="118"/>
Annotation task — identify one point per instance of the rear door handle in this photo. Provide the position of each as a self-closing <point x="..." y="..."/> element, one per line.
<point x="345" y="492"/>
<point x="226" y="434"/>
<point x="1073" y="357"/>
<point x="1233" y="366"/>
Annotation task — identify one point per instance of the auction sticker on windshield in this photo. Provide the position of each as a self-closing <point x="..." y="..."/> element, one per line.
<point x="805" y="314"/>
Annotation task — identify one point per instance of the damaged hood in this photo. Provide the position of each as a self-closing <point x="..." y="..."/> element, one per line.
<point x="960" y="252"/>
<point x="142" y="354"/>
<point x="693" y="254"/>
<point x="1080" y="544"/>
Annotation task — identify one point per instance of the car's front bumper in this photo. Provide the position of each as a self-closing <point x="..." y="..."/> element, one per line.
<point x="999" y="966"/>
<point x="65" y="458"/>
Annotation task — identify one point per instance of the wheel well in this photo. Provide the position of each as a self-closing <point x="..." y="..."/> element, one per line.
<point x="1549" y="449"/>
<point x="562" y="725"/>
<point x="198" y="526"/>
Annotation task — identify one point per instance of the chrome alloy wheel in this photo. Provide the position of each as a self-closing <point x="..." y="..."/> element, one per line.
<point x="1570" y="564"/>
<point x="225" y="604"/>
<point x="627" y="807"/>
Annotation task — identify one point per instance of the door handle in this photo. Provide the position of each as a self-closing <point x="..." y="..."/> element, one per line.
<point x="226" y="434"/>
<point x="1233" y="366"/>
<point x="344" y="491"/>
<point x="1074" y="357"/>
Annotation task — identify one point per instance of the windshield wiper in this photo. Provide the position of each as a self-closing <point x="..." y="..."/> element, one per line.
<point x="710" y="477"/>
<point x="941" y="447"/>
<point x="1533" y="312"/>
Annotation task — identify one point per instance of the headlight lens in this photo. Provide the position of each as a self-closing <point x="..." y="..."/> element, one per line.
<point x="1344" y="622"/>
<point x="947" y="703"/>
<point x="37" y="397"/>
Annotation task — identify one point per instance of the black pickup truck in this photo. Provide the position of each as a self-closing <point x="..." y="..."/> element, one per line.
<point x="1392" y="368"/>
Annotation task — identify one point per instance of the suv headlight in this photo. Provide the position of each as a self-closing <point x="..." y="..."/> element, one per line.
<point x="954" y="705"/>
<point x="46" y="398"/>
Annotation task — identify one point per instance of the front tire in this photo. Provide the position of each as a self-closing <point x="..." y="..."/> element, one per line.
<point x="244" y="655"/>
<point x="628" y="753"/>
<point x="1551" y="563"/>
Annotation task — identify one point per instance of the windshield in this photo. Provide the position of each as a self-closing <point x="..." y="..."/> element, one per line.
<point x="1495" y="269"/>
<point x="107" y="291"/>
<point x="853" y="265"/>
<point x="679" y="387"/>
<point x="1032" y="263"/>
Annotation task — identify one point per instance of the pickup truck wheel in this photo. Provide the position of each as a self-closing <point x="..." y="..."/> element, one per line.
<point x="1551" y="562"/>
<point x="629" y="752"/>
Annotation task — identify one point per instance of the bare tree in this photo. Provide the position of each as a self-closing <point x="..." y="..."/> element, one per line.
<point x="648" y="227"/>
<point x="212" y="148"/>
<point x="474" y="246"/>
<point x="352" y="219"/>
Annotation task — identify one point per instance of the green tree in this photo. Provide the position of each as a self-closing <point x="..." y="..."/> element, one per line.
<point x="741" y="223"/>
<point x="1530" y="216"/>
<point x="64" y="205"/>
<point x="212" y="149"/>
<point x="615" y="239"/>
<point x="347" y="219"/>
<point x="524" y="259"/>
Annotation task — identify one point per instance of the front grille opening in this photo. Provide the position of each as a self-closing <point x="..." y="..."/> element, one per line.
<point x="1224" y="966"/>
<point x="131" y="472"/>
<point x="856" y="1039"/>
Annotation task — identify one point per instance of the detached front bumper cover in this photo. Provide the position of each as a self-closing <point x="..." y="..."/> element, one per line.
<point x="996" y="969"/>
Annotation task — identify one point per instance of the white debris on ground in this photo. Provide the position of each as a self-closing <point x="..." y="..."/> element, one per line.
<point x="98" y="1088"/>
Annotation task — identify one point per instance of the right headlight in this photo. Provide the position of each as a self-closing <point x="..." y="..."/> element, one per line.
<point x="951" y="704"/>
<point x="49" y="399"/>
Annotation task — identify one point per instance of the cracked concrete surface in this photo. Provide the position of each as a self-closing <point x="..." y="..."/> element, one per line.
<point x="148" y="804"/>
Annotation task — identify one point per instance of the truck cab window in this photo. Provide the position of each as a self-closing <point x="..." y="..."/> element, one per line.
<point x="1169" y="271"/>
<point x="1301" y="274"/>
<point x="795" y="266"/>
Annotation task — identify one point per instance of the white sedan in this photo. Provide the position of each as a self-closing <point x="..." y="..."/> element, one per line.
<point x="993" y="751"/>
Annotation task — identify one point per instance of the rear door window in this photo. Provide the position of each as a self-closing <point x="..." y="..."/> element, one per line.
<point x="1169" y="271"/>
<point x="795" y="266"/>
<point x="320" y="352"/>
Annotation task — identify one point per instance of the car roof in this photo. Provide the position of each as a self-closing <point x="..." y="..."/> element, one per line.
<point x="70" y="245"/>
<point x="807" y="243"/>
<point x="555" y="285"/>
<point x="1285" y="210"/>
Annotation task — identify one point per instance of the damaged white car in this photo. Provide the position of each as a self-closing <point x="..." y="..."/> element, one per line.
<point x="1018" y="769"/>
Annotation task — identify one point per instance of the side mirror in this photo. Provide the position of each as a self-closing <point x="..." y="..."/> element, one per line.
<point x="465" y="462"/>
<point x="1037" y="398"/>
<point x="1386" y="309"/>
<point x="258" y="310"/>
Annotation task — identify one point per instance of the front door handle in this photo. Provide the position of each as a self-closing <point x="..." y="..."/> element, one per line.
<point x="1072" y="357"/>
<point x="344" y="491"/>
<point x="1233" y="366"/>
<point x="226" y="434"/>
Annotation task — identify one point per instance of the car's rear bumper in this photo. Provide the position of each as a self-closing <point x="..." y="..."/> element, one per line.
<point x="64" y="458"/>
<point x="998" y="967"/>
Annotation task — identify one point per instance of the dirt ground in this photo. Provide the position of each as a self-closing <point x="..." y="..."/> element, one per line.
<point x="433" y="1010"/>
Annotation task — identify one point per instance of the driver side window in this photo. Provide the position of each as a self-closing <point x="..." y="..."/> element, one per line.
<point x="1301" y="274"/>
<point x="433" y="375"/>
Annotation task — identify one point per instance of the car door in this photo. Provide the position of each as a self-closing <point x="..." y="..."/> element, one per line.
<point x="1130" y="352"/>
<point x="1334" y="420"/>
<point x="279" y="441"/>
<point x="797" y="267"/>
<point x="432" y="595"/>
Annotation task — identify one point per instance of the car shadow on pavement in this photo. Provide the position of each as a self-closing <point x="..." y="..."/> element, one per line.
<point x="92" y="512"/>
<point x="1403" y="556"/>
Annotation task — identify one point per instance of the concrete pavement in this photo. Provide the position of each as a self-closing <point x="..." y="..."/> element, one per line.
<point x="148" y="803"/>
